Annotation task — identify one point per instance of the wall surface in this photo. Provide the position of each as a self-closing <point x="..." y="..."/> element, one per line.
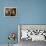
<point x="33" y="11"/>
<point x="8" y="23"/>
<point x="28" y="12"/>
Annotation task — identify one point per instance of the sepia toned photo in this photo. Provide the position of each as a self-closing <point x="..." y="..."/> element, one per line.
<point x="10" y="11"/>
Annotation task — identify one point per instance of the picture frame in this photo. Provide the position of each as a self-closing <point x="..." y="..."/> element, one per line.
<point x="38" y="30"/>
<point x="10" y="11"/>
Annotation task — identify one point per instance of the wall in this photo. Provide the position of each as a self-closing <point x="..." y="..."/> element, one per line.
<point x="33" y="11"/>
<point x="8" y="24"/>
<point x="28" y="12"/>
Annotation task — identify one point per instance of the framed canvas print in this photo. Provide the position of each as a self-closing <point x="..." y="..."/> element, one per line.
<point x="10" y="11"/>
